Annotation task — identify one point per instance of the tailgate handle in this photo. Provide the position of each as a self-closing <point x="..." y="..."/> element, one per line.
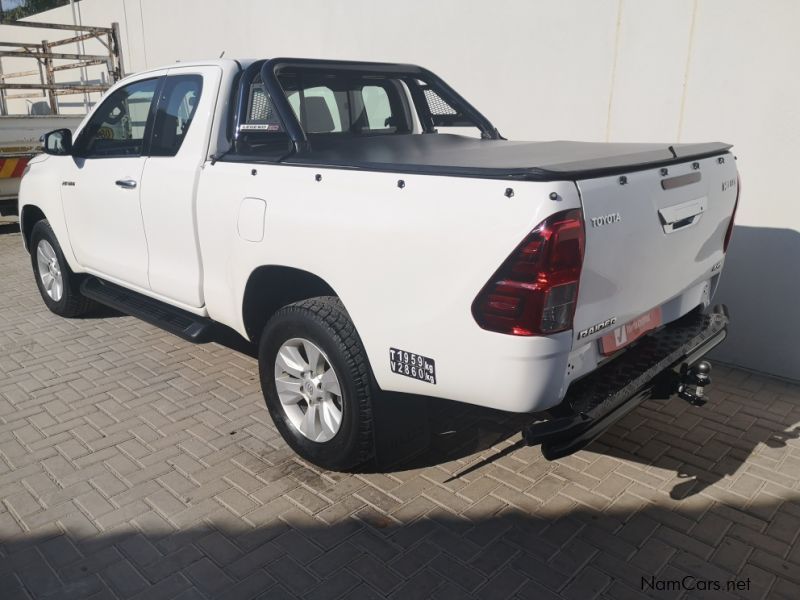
<point x="681" y="216"/>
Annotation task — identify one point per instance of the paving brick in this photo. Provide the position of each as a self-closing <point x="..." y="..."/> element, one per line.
<point x="124" y="579"/>
<point x="166" y="589"/>
<point x="374" y="573"/>
<point x="589" y="583"/>
<point x="419" y="587"/>
<point x="758" y="540"/>
<point x="653" y="555"/>
<point x="208" y="577"/>
<point x="94" y="504"/>
<point x="573" y="556"/>
<point x="457" y="572"/>
<point x="165" y="566"/>
<point x="139" y="549"/>
<point x="335" y="586"/>
<point x="219" y="548"/>
<point x="775" y="565"/>
<point x="235" y="501"/>
<point x="59" y="551"/>
<point x="503" y="584"/>
<point x="539" y="572"/>
<point x="676" y="539"/>
<point x="292" y="575"/>
<point x="255" y="559"/>
<point x="492" y="558"/>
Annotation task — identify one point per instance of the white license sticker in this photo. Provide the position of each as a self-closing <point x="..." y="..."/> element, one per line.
<point x="412" y="365"/>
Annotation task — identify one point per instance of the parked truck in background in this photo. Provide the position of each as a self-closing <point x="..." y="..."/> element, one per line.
<point x="326" y="212"/>
<point x="41" y="80"/>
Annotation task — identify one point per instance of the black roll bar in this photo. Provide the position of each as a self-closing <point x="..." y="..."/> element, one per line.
<point x="270" y="71"/>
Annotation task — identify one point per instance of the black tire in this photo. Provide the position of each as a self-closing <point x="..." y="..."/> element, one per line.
<point x="325" y="322"/>
<point x="72" y="303"/>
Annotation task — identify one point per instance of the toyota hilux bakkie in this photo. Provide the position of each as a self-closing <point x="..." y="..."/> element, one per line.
<point x="371" y="231"/>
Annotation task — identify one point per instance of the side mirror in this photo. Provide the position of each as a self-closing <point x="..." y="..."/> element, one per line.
<point x="57" y="142"/>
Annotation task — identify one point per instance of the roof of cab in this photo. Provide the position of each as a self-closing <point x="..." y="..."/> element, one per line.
<point x="224" y="63"/>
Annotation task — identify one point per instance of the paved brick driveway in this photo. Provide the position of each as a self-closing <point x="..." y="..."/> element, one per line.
<point x="133" y="464"/>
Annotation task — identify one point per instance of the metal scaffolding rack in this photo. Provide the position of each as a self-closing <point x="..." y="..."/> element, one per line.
<point x="48" y="62"/>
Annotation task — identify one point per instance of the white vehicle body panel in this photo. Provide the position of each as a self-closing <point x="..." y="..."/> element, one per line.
<point x="104" y="220"/>
<point x="412" y="292"/>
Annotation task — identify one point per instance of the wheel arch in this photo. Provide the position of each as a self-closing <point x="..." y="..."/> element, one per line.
<point x="270" y="287"/>
<point x="28" y="217"/>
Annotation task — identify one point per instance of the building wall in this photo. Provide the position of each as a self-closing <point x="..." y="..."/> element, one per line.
<point x="616" y="70"/>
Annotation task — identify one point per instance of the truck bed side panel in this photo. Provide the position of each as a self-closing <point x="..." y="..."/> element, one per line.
<point x="406" y="261"/>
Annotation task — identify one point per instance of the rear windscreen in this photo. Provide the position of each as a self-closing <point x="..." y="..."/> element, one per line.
<point x="347" y="103"/>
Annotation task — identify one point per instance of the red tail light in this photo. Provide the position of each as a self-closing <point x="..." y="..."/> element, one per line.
<point x="535" y="290"/>
<point x="729" y="232"/>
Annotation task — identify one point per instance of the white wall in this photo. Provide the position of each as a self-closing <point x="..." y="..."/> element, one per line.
<point x="617" y="70"/>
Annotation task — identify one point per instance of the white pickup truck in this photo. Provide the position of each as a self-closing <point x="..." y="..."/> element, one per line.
<point x="372" y="231"/>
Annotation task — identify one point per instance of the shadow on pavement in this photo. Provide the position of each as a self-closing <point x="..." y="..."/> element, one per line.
<point x="701" y="445"/>
<point x="563" y="550"/>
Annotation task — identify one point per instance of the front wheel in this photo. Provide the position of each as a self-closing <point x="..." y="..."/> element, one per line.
<point x="315" y="378"/>
<point x="58" y="285"/>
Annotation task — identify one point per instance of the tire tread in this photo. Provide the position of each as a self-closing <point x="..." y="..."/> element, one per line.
<point x="331" y="313"/>
<point x="75" y="303"/>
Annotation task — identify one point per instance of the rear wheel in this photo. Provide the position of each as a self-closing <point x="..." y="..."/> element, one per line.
<point x="58" y="285"/>
<point x="316" y="383"/>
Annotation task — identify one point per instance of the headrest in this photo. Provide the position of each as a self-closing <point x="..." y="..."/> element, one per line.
<point x="318" y="116"/>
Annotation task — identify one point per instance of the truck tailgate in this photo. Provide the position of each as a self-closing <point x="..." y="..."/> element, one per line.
<point x="652" y="236"/>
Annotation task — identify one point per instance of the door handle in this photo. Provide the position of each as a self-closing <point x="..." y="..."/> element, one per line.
<point x="128" y="184"/>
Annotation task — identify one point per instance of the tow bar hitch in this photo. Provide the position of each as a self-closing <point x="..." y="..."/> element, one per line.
<point x="665" y="362"/>
<point x="693" y="381"/>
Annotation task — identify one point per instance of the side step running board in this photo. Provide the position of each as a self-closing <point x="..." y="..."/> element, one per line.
<point x="179" y="322"/>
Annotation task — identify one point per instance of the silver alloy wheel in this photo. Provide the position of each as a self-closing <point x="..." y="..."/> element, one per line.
<point x="49" y="270"/>
<point x="308" y="389"/>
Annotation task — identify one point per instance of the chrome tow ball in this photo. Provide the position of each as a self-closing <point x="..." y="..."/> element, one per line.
<point x="693" y="382"/>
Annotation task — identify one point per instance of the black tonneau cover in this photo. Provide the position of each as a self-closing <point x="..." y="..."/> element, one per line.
<point x="447" y="154"/>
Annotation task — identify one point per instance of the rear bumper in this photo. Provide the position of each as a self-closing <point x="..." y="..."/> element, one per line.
<point x="595" y="402"/>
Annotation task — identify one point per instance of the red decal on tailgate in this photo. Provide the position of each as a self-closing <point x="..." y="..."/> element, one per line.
<point x="631" y="331"/>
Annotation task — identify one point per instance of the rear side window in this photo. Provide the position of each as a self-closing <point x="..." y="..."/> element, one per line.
<point x="317" y="109"/>
<point x="118" y="127"/>
<point x="377" y="107"/>
<point x="176" y="108"/>
<point x="347" y="103"/>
